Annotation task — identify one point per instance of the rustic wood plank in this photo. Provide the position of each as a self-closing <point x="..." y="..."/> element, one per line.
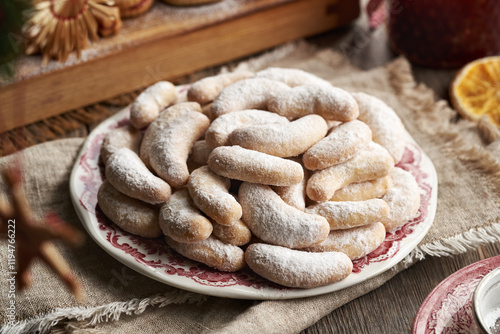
<point x="164" y="59"/>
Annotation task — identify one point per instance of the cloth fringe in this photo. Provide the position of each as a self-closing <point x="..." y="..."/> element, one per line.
<point x="456" y="245"/>
<point x="103" y="313"/>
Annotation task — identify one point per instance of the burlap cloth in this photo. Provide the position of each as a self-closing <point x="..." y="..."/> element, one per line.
<point x="123" y="301"/>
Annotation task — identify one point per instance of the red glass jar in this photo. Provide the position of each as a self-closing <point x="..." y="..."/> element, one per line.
<point x="444" y="33"/>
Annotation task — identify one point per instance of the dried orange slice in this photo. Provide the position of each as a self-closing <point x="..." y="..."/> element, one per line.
<point x="475" y="91"/>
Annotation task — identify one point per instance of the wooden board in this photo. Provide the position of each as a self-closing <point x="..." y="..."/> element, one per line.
<point x="142" y="55"/>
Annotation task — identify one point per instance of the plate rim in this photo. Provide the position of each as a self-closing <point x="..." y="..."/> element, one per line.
<point x="424" y="312"/>
<point x="233" y="291"/>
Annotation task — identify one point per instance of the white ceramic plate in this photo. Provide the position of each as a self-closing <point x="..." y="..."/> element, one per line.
<point x="154" y="259"/>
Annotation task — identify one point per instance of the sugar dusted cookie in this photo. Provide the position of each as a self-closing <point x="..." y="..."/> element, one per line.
<point x="364" y="190"/>
<point x="182" y="221"/>
<point x="150" y="102"/>
<point x="386" y="126"/>
<point x="221" y="128"/>
<point x="127" y="173"/>
<point x="341" y="144"/>
<point x="239" y="163"/>
<point x="281" y="140"/>
<point x="403" y="199"/>
<point x="355" y="242"/>
<point x="329" y="102"/>
<point x="371" y="163"/>
<point x="295" y="268"/>
<point x="275" y="222"/>
<point x="207" y="89"/>
<point x="132" y="215"/>
<point x="252" y="93"/>
<point x="212" y="252"/>
<point x="344" y="215"/>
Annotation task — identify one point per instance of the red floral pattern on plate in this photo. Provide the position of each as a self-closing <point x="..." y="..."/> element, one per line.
<point x="154" y="253"/>
<point x="448" y="308"/>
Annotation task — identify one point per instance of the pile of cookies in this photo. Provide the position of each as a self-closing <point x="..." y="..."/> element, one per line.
<point x="276" y="170"/>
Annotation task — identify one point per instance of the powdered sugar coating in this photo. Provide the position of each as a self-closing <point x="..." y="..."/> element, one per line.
<point x="128" y="174"/>
<point x="403" y="199"/>
<point x="118" y="138"/>
<point x="237" y="234"/>
<point x="210" y="193"/>
<point x="161" y="122"/>
<point x="170" y="151"/>
<point x="207" y="89"/>
<point x="295" y="268"/>
<point x="275" y="222"/>
<point x="130" y="214"/>
<point x="212" y="252"/>
<point x="363" y="190"/>
<point x="218" y="132"/>
<point x="331" y="103"/>
<point x="281" y="140"/>
<point x="252" y="93"/>
<point x="341" y="144"/>
<point x="344" y="215"/>
<point x="150" y="102"/>
<point x="355" y="242"/>
<point x="182" y="221"/>
<point x="291" y="76"/>
<point x="239" y="163"/>
<point x="387" y="128"/>
<point x="371" y="163"/>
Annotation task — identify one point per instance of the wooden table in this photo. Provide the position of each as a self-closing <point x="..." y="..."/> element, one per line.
<point x="392" y="307"/>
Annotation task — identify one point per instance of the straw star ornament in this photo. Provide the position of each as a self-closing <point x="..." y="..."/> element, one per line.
<point x="33" y="238"/>
<point x="59" y="27"/>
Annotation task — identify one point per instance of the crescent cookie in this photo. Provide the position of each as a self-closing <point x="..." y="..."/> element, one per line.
<point x="403" y="199"/>
<point x="295" y="268"/>
<point x="387" y="128"/>
<point x="218" y="132"/>
<point x="210" y="193"/>
<point x="128" y="213"/>
<point x="331" y="103"/>
<point x="150" y="102"/>
<point x="341" y="144"/>
<point x="169" y="153"/>
<point x="363" y="190"/>
<point x="275" y="222"/>
<point x="371" y="163"/>
<point x="207" y="89"/>
<point x="128" y="174"/>
<point x="239" y="163"/>
<point x="119" y="138"/>
<point x="344" y="215"/>
<point x="252" y="93"/>
<point x="212" y="252"/>
<point x="182" y="221"/>
<point x="281" y="140"/>
<point x="161" y="122"/>
<point x="237" y="234"/>
<point x="291" y="76"/>
<point x="355" y="242"/>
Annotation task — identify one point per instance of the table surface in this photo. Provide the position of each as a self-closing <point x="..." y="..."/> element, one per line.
<point x="394" y="305"/>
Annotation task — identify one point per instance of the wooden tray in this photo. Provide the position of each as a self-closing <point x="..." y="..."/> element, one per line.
<point x="165" y="43"/>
